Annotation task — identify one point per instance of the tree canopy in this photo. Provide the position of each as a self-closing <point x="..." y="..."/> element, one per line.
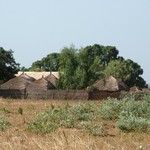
<point x="48" y="63"/>
<point x="79" y="68"/>
<point x="8" y="66"/>
<point x="89" y="64"/>
<point x="68" y="65"/>
<point x="126" y="70"/>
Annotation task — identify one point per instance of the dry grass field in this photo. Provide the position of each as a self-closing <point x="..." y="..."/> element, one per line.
<point x="16" y="137"/>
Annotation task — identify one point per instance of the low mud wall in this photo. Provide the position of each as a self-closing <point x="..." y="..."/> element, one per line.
<point x="58" y="94"/>
<point x="9" y="93"/>
<point x="100" y="95"/>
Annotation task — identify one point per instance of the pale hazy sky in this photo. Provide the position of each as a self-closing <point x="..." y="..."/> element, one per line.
<point x="35" y="28"/>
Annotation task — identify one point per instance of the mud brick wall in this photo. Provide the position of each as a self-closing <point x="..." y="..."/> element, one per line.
<point x="100" y="95"/>
<point x="9" y="93"/>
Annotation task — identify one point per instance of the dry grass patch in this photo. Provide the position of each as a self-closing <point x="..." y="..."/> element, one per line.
<point x="16" y="137"/>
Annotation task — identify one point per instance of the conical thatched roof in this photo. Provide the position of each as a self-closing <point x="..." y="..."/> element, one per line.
<point x="40" y="85"/>
<point x="38" y="75"/>
<point x="20" y="82"/>
<point x="110" y="84"/>
<point x="135" y="89"/>
<point x="52" y="79"/>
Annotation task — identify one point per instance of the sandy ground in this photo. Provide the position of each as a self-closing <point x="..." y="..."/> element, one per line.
<point x="16" y="137"/>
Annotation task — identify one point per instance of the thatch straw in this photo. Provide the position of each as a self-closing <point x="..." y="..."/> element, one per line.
<point x="52" y="79"/>
<point x="38" y="75"/>
<point x="110" y="84"/>
<point x="20" y="82"/>
<point x="40" y="85"/>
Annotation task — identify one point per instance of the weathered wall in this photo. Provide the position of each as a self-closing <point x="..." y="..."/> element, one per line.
<point x="9" y="93"/>
<point x="58" y="94"/>
<point x="99" y="95"/>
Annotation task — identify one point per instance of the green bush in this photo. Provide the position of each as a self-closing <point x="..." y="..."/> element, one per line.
<point x="138" y="108"/>
<point x="44" y="123"/>
<point x="66" y="116"/>
<point x="128" y="122"/>
<point x="134" y="107"/>
<point x="3" y="124"/>
<point x="109" y="109"/>
<point x="130" y="115"/>
<point x="71" y="117"/>
<point x="95" y="130"/>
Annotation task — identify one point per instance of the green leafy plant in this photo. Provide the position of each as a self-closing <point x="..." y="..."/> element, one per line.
<point x="4" y="109"/>
<point x="20" y="111"/>
<point x="66" y="116"/>
<point x="44" y="123"/>
<point x="128" y="122"/>
<point x="3" y="124"/>
<point x="109" y="109"/>
<point x="95" y="130"/>
<point x="130" y="116"/>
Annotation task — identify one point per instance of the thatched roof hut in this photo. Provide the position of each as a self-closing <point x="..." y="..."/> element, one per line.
<point x="135" y="89"/>
<point x="39" y="75"/>
<point x="38" y="89"/>
<point x="53" y="79"/>
<point x="40" y="85"/>
<point x="110" y="84"/>
<point x="20" y="82"/>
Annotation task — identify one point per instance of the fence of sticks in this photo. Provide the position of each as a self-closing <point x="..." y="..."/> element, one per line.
<point x="57" y="94"/>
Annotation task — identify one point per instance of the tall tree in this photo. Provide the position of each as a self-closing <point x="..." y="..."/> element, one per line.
<point x="8" y="65"/>
<point x="37" y="66"/>
<point x="93" y="60"/>
<point x="51" y="62"/>
<point x="48" y="63"/>
<point x="126" y="70"/>
<point x="109" y="53"/>
<point x="80" y="68"/>
<point x="68" y="64"/>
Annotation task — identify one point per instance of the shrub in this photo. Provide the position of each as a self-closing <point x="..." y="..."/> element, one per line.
<point x="134" y="107"/>
<point x="3" y="124"/>
<point x="5" y="110"/>
<point x="44" y="123"/>
<point x="109" y="109"/>
<point x="131" y="115"/>
<point x="128" y="122"/>
<point x="95" y="130"/>
<point x="67" y="116"/>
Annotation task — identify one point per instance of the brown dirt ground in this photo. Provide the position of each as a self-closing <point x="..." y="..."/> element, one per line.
<point x="17" y="138"/>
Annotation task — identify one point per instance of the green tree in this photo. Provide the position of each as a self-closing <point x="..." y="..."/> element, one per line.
<point x="109" y="53"/>
<point x="48" y="63"/>
<point x="8" y="66"/>
<point x="80" y="68"/>
<point x="94" y="59"/>
<point x="80" y="78"/>
<point x="68" y="65"/>
<point x="37" y="66"/>
<point x="24" y="69"/>
<point x="51" y="62"/>
<point x="126" y="70"/>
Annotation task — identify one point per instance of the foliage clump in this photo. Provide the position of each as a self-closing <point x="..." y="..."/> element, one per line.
<point x="130" y="114"/>
<point x="79" y="68"/>
<point x="110" y="109"/>
<point x="3" y="124"/>
<point x="80" y="116"/>
<point x="9" y="67"/>
<point x="129" y="122"/>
